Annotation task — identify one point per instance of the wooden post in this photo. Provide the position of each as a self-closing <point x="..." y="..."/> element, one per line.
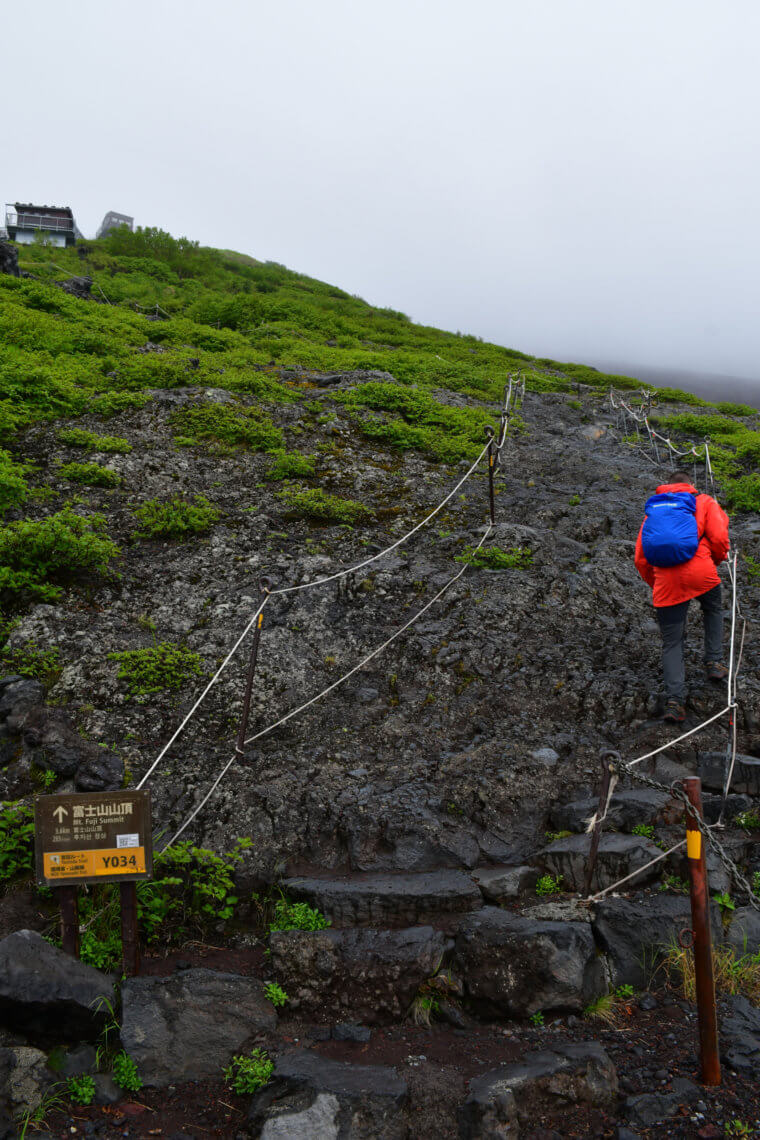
<point x="130" y="942"/>
<point x="700" y="919"/>
<point x="69" y="904"/>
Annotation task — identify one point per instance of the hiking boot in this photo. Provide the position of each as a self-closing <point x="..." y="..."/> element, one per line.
<point x="675" y="713"/>
<point x="716" y="672"/>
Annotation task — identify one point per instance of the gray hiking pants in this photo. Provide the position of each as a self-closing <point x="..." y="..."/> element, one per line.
<point x="672" y="622"/>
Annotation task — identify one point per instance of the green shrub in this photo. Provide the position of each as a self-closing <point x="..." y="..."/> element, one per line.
<point x="276" y="994"/>
<point x="729" y="409"/>
<point x="297" y="916"/>
<point x="91" y="474"/>
<point x="249" y="1074"/>
<point x="290" y="465"/>
<point x="78" y="437"/>
<point x="226" y="426"/>
<point x="494" y="558"/>
<point x="16" y="840"/>
<point x="317" y="504"/>
<point x="163" y="667"/>
<point x="113" y="403"/>
<point x="646" y="830"/>
<point x="81" y="1090"/>
<point x="37" y="555"/>
<point x="548" y="885"/>
<point x="743" y="494"/>
<point x="125" y="1073"/>
<point x="191" y="893"/>
<point x="28" y="660"/>
<point x="13" y="486"/>
<point x="176" y="517"/>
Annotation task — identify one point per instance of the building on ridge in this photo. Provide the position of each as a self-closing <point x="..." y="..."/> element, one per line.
<point x="24" y="221"/>
<point x="112" y="221"/>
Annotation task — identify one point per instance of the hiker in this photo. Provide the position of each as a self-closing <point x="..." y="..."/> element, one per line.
<point x="682" y="539"/>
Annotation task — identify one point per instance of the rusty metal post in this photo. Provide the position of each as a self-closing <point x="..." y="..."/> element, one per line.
<point x="69" y="904"/>
<point x="130" y="941"/>
<point x="596" y="835"/>
<point x="489" y="433"/>
<point x="700" y="918"/>
<point x="265" y="587"/>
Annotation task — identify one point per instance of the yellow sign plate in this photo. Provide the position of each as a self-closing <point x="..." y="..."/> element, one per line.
<point x="694" y="844"/>
<point x="80" y="864"/>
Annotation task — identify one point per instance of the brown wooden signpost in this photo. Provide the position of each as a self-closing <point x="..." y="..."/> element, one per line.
<point x="92" y="838"/>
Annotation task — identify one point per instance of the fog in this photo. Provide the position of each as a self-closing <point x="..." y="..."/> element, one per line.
<point x="574" y="178"/>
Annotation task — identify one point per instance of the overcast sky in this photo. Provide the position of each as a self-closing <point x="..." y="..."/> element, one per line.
<point x="574" y="178"/>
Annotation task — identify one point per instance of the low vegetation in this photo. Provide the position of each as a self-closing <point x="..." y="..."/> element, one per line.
<point x="163" y="667"/>
<point x="734" y="973"/>
<point x="316" y="504"/>
<point x="224" y="427"/>
<point x="246" y="1075"/>
<point x="38" y="557"/>
<point x="494" y="558"/>
<point x="91" y="474"/>
<point x="176" y="517"/>
<point x="78" y="437"/>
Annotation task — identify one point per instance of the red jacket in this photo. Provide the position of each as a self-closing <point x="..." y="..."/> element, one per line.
<point x="674" y="584"/>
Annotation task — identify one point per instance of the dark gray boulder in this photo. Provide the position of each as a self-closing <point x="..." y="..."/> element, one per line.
<point x="710" y="767"/>
<point x="739" y="1026"/>
<point x="648" y="1109"/>
<point x="517" y="966"/>
<point x="629" y="808"/>
<point x="373" y="974"/>
<point x="100" y="771"/>
<point x="541" y="1082"/>
<point x="744" y="932"/>
<point x="8" y="259"/>
<point x="188" y="1026"/>
<point x="47" y="994"/>
<point x="633" y="932"/>
<point x="504" y="884"/>
<point x="388" y="900"/>
<point x="618" y="856"/>
<point x="310" y="1096"/>
<point x="17" y="700"/>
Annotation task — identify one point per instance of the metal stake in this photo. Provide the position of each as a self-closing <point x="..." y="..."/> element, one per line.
<point x="489" y="433"/>
<point x="596" y="835"/>
<point x="69" y="904"/>
<point x="130" y="942"/>
<point x="265" y="587"/>
<point x="700" y="918"/>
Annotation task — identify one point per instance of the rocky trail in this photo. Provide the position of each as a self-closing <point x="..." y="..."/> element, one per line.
<point x="434" y="808"/>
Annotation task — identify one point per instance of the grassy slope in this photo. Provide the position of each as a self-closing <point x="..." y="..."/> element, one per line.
<point x="228" y="321"/>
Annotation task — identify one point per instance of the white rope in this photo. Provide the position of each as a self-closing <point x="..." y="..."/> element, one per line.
<point x="633" y="874"/>
<point x="304" y="586"/>
<point x="599" y="819"/>
<point x="329" y="689"/>
<point x="203" y="695"/>
<point x="678" y="739"/>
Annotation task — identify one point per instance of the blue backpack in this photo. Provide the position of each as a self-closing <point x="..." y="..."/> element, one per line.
<point x="669" y="536"/>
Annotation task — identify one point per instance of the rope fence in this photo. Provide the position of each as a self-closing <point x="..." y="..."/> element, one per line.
<point x="514" y="393"/>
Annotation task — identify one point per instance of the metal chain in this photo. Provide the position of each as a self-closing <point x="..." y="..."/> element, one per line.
<point x="676" y="793"/>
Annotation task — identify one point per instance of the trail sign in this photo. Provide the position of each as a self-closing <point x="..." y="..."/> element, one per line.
<point x="98" y="837"/>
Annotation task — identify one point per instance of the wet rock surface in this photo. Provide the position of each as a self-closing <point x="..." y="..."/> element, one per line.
<point x="47" y="994"/>
<point x="358" y="1102"/>
<point x="373" y="973"/>
<point x="191" y="1025"/>
<point x="618" y="856"/>
<point x="388" y="900"/>
<point x="517" y="966"/>
<point x="502" y="1099"/>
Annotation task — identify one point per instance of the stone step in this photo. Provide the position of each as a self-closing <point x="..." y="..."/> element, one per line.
<point x="388" y="900"/>
<point x="374" y="974"/>
<point x="629" y="808"/>
<point x="515" y="966"/>
<point x="311" y="1097"/>
<point x="617" y="857"/>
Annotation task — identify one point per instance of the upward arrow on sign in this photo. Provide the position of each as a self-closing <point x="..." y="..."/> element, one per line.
<point x="61" y="812"/>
